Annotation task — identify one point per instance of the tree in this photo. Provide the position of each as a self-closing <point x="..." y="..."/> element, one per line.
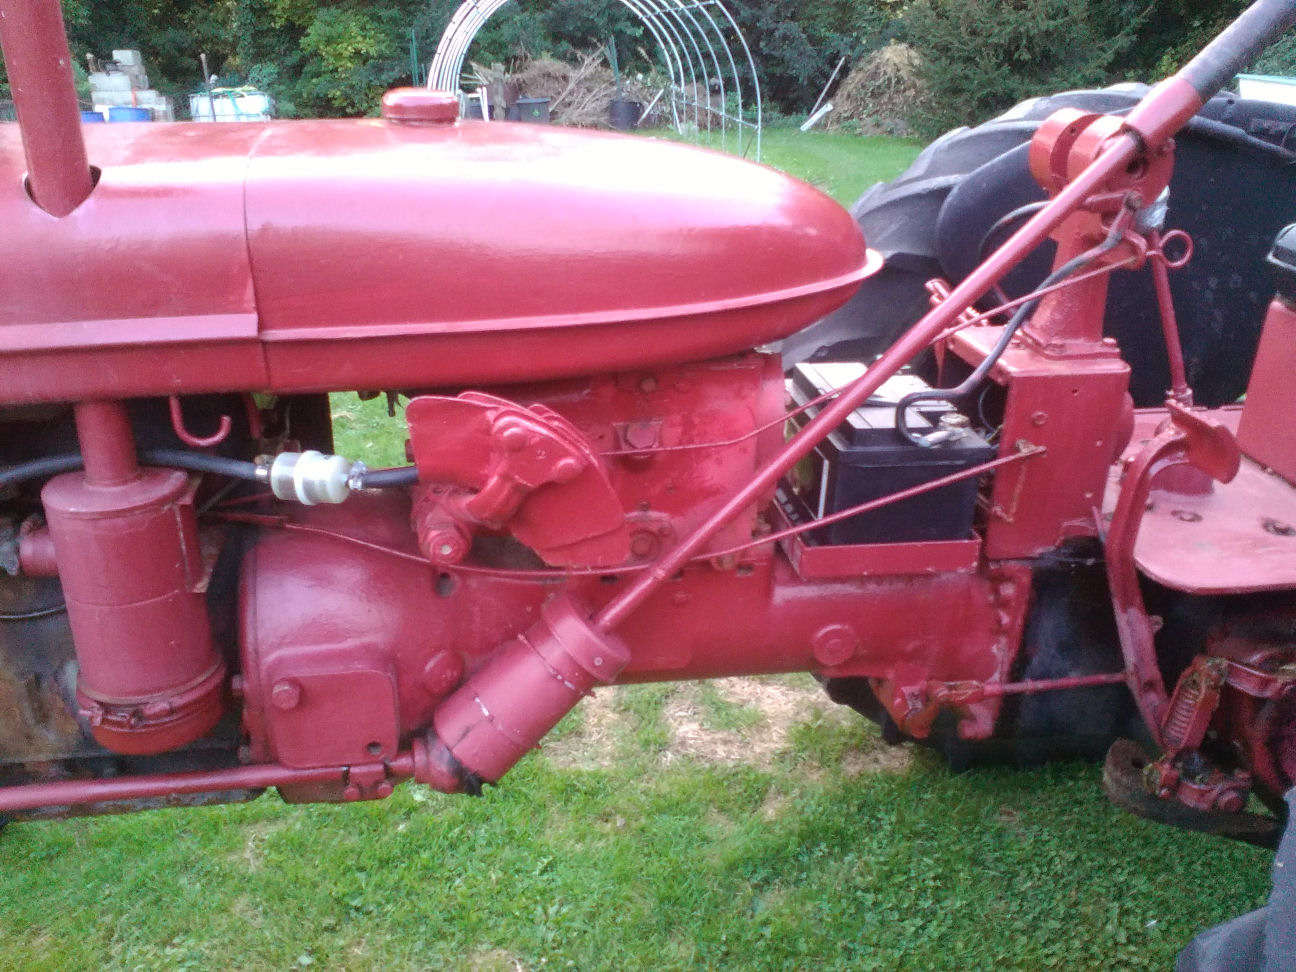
<point x="982" y="56"/>
<point x="797" y="45"/>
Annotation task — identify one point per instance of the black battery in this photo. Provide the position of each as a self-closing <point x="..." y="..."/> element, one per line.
<point x="867" y="458"/>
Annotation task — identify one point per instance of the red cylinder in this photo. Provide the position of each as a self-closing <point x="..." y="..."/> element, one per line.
<point x="44" y="93"/>
<point x="131" y="567"/>
<point x="504" y="710"/>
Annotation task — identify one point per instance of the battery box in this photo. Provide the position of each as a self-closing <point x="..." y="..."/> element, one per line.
<point x="866" y="458"/>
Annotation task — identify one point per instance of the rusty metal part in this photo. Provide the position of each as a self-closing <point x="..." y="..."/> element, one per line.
<point x="111" y="807"/>
<point x="961" y="693"/>
<point x="37" y="675"/>
<point x="1185" y="772"/>
<point x="1124" y="782"/>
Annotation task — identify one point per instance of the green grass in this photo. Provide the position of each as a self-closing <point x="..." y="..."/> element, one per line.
<point x="825" y="853"/>
<point x="650" y="863"/>
<point x="841" y="165"/>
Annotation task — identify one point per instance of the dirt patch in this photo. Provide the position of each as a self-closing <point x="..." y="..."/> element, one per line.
<point x="594" y="744"/>
<point x="493" y="960"/>
<point x="732" y="721"/>
<point x="777" y="707"/>
<point x="880" y="759"/>
<point x="775" y="804"/>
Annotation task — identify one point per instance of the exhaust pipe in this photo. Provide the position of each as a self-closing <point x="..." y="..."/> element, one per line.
<point x="39" y="63"/>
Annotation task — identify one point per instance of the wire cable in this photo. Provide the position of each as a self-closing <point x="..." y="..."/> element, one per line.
<point x="1019" y="318"/>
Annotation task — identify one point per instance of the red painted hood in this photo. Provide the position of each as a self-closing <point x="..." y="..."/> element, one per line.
<point x="297" y="256"/>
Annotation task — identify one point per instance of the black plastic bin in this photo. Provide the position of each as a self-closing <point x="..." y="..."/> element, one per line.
<point x="534" y="110"/>
<point x="623" y="114"/>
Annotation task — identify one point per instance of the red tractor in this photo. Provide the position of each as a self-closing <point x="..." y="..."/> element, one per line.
<point x="614" y="474"/>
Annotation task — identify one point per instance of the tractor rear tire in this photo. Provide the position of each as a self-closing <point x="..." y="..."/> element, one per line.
<point x="1234" y="162"/>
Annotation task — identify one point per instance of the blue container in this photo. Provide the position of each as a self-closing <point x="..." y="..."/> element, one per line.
<point x="129" y="115"/>
<point x="92" y="116"/>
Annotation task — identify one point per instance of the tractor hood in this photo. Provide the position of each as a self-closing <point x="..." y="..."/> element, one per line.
<point x="305" y="256"/>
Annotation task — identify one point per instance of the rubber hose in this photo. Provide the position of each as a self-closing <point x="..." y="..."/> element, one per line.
<point x="389" y="478"/>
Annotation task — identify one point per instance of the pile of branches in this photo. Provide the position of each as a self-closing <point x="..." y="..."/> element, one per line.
<point x="880" y="93"/>
<point x="579" y="93"/>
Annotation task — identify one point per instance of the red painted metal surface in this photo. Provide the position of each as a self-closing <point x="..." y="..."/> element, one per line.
<point x="682" y="256"/>
<point x="39" y="67"/>
<point x="132" y="573"/>
<point x="1221" y="538"/>
<point x="1266" y="431"/>
<point x="599" y="504"/>
<point x="1186" y="439"/>
<point x="1234" y="539"/>
<point x="1076" y="410"/>
<point x="504" y="710"/>
<point x="496" y="465"/>
<point x="309" y="598"/>
<point x="73" y="792"/>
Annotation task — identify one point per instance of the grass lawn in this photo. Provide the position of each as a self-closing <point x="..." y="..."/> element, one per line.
<point x="841" y="165"/>
<point x="744" y="824"/>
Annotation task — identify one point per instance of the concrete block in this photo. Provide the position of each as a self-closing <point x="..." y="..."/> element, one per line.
<point x="100" y="81"/>
<point x="119" y="99"/>
<point x="128" y="58"/>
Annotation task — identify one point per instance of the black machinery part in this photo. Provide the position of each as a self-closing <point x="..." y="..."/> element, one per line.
<point x="1232" y="162"/>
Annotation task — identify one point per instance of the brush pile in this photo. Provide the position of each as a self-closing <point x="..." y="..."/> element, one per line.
<point x="579" y="93"/>
<point x="880" y="93"/>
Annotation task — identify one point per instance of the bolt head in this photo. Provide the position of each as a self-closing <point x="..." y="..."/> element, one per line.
<point x="514" y="439"/>
<point x="446" y="547"/>
<point x="565" y="470"/>
<point x="286" y="695"/>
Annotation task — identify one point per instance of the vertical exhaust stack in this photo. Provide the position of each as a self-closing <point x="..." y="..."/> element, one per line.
<point x="39" y="63"/>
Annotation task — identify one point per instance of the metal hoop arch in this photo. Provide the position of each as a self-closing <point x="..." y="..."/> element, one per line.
<point x="704" y="81"/>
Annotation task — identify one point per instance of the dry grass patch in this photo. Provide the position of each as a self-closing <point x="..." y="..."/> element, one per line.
<point x="493" y="960"/>
<point x="593" y="745"/>
<point x="731" y="722"/>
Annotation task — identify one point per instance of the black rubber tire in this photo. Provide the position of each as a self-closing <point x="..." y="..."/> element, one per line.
<point x="1069" y="631"/>
<point x="1234" y="188"/>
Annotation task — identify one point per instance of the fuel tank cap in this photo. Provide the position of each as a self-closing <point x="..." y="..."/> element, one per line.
<point x="420" y="106"/>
